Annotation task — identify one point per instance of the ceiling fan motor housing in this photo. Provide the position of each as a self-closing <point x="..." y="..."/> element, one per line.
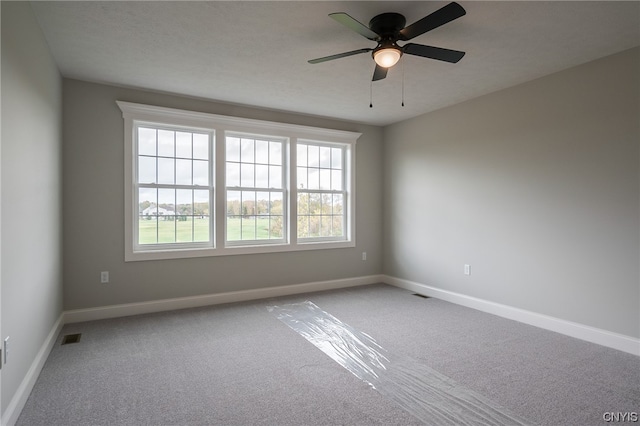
<point x="387" y="25"/>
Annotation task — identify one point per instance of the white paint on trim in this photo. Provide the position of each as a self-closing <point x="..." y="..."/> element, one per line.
<point x="11" y="414"/>
<point x="606" y="338"/>
<point x="154" y="113"/>
<point x="128" y="309"/>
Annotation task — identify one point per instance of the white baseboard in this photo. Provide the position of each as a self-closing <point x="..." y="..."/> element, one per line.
<point x="11" y="414"/>
<point x="584" y="332"/>
<point x="128" y="309"/>
<point x="591" y="334"/>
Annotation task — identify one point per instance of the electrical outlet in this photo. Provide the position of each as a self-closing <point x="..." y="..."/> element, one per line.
<point x="364" y="255"/>
<point x="467" y="269"/>
<point x="5" y="347"/>
<point x="104" y="277"/>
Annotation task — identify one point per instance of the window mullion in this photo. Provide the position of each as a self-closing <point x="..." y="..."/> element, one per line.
<point x="292" y="199"/>
<point x="175" y="192"/>
<point x="220" y="192"/>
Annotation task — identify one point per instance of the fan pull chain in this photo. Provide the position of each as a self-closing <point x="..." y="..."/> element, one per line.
<point x="403" y="82"/>
<point x="371" y="94"/>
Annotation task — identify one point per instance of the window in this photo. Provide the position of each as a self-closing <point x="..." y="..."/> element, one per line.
<point x="280" y="187"/>
<point x="172" y="189"/>
<point x="321" y="193"/>
<point x="255" y="190"/>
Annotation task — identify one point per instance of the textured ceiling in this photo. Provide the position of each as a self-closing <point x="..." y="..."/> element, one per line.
<point x="255" y="53"/>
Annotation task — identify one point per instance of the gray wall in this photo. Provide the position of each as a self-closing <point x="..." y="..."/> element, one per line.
<point x="536" y="187"/>
<point x="93" y="155"/>
<point x="31" y="192"/>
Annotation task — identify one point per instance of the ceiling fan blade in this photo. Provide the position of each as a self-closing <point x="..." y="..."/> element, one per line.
<point x="431" y="52"/>
<point x="338" y="56"/>
<point x="440" y="17"/>
<point x="354" y="25"/>
<point x="379" y="73"/>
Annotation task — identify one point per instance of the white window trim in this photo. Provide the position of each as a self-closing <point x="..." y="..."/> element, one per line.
<point x="176" y="245"/>
<point x="347" y="183"/>
<point x="220" y="125"/>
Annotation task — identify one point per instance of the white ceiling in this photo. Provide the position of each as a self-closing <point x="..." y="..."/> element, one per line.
<point x="255" y="53"/>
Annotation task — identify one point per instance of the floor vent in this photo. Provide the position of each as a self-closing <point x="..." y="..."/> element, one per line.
<point x="421" y="295"/>
<point x="71" y="338"/>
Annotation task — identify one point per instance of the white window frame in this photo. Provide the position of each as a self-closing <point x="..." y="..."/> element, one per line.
<point x="210" y="188"/>
<point x="220" y="126"/>
<point x="346" y="183"/>
<point x="284" y="191"/>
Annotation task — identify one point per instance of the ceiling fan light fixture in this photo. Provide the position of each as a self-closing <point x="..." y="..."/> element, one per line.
<point x="387" y="57"/>
<point x="387" y="29"/>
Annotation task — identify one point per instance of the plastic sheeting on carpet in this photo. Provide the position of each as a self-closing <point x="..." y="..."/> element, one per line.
<point x="425" y="393"/>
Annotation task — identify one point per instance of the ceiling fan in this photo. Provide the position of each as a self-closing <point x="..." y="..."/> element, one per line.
<point x="388" y="28"/>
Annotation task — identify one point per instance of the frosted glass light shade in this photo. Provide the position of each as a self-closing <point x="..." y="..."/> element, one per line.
<point x="387" y="57"/>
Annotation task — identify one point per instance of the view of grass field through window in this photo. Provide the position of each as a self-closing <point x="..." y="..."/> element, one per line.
<point x="173" y="186"/>
<point x="157" y="230"/>
<point x="321" y="195"/>
<point x="255" y="189"/>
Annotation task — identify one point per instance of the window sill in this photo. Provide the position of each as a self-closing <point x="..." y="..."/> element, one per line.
<point x="135" y="256"/>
